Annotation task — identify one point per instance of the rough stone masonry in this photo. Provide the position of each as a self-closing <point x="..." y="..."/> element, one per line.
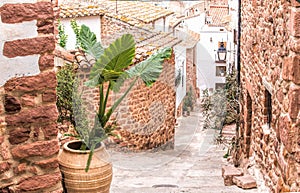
<point x="28" y="114"/>
<point x="270" y="90"/>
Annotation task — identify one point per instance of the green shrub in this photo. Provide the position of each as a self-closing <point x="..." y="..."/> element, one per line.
<point x="189" y="100"/>
<point x="65" y="82"/>
<point x="220" y="107"/>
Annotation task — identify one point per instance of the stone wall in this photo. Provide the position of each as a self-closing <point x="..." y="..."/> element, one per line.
<point x="270" y="90"/>
<point x="28" y="114"/>
<point x="145" y="119"/>
<point x="147" y="116"/>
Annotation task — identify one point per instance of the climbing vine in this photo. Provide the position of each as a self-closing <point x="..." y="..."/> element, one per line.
<point x="62" y="36"/>
<point x="76" y="29"/>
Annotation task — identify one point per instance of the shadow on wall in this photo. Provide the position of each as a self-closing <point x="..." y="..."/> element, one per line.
<point x="205" y="64"/>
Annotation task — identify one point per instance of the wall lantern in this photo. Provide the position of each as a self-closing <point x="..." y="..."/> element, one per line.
<point x="221" y="52"/>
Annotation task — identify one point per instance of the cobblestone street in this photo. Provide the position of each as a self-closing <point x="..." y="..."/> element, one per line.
<point x="194" y="166"/>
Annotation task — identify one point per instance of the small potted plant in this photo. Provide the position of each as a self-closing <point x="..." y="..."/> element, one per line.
<point x="111" y="68"/>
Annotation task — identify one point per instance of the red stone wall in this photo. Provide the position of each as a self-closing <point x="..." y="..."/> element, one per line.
<point x="147" y="116"/>
<point x="28" y="114"/>
<point x="270" y="62"/>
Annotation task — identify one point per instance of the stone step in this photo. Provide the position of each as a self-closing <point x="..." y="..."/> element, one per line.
<point x="228" y="172"/>
<point x="245" y="182"/>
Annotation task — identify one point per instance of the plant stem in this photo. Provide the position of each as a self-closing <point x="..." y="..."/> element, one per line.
<point x="101" y="107"/>
<point x="103" y="123"/>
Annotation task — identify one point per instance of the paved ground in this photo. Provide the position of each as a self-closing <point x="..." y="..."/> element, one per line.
<point x="194" y="166"/>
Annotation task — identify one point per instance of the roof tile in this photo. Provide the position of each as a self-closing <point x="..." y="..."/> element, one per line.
<point x="217" y="13"/>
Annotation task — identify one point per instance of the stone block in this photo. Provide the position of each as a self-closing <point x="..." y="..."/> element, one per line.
<point x="46" y="61"/>
<point x="245" y="182"/>
<point x="48" y="164"/>
<point x="39" y="82"/>
<point x="50" y="131"/>
<point x="295" y="22"/>
<point x="26" y="12"/>
<point x="39" y="182"/>
<point x="228" y="172"/>
<point x="287" y="133"/>
<point x="295" y="44"/>
<point x="30" y="46"/>
<point x="294" y="99"/>
<point x="41" y="114"/>
<point x="23" y="167"/>
<point x="28" y="100"/>
<point x="45" y="26"/>
<point x="4" y="166"/>
<point x="49" y="96"/>
<point x="19" y="135"/>
<point x="11" y="104"/>
<point x="291" y="69"/>
<point x="40" y="148"/>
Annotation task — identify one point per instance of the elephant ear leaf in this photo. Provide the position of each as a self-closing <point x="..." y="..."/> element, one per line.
<point x="88" y="42"/>
<point x="115" y="58"/>
<point x="150" y="69"/>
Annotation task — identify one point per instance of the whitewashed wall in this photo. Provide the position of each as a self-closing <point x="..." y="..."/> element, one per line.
<point x="20" y="65"/>
<point x="180" y="63"/>
<point x="206" y="66"/>
<point x="91" y="21"/>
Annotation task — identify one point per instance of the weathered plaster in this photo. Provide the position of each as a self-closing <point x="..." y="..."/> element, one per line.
<point x="18" y="66"/>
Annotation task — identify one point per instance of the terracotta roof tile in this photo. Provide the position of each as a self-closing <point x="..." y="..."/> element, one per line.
<point x="132" y="12"/>
<point x="218" y="2"/>
<point x="217" y="13"/>
<point x="147" y="41"/>
<point x="80" y="11"/>
<point x="190" y="39"/>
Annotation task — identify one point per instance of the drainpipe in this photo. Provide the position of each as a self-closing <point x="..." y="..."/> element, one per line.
<point x="239" y="44"/>
<point x="237" y="142"/>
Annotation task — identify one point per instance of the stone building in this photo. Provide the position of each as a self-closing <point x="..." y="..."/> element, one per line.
<point x="146" y="117"/>
<point x="28" y="113"/>
<point x="270" y="91"/>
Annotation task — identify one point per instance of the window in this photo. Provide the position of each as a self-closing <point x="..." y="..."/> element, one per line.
<point x="268" y="108"/>
<point x="235" y="36"/>
<point x="221" y="71"/>
<point x="208" y="20"/>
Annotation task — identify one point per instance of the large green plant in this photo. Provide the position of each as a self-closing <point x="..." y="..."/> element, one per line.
<point x="108" y="73"/>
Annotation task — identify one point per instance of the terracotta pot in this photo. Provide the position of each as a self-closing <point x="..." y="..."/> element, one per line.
<point x="72" y="165"/>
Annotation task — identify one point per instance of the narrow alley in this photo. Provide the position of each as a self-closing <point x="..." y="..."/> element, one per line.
<point x="101" y="96"/>
<point x="194" y="166"/>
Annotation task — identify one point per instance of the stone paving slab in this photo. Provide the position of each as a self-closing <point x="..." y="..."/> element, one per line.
<point x="194" y="166"/>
